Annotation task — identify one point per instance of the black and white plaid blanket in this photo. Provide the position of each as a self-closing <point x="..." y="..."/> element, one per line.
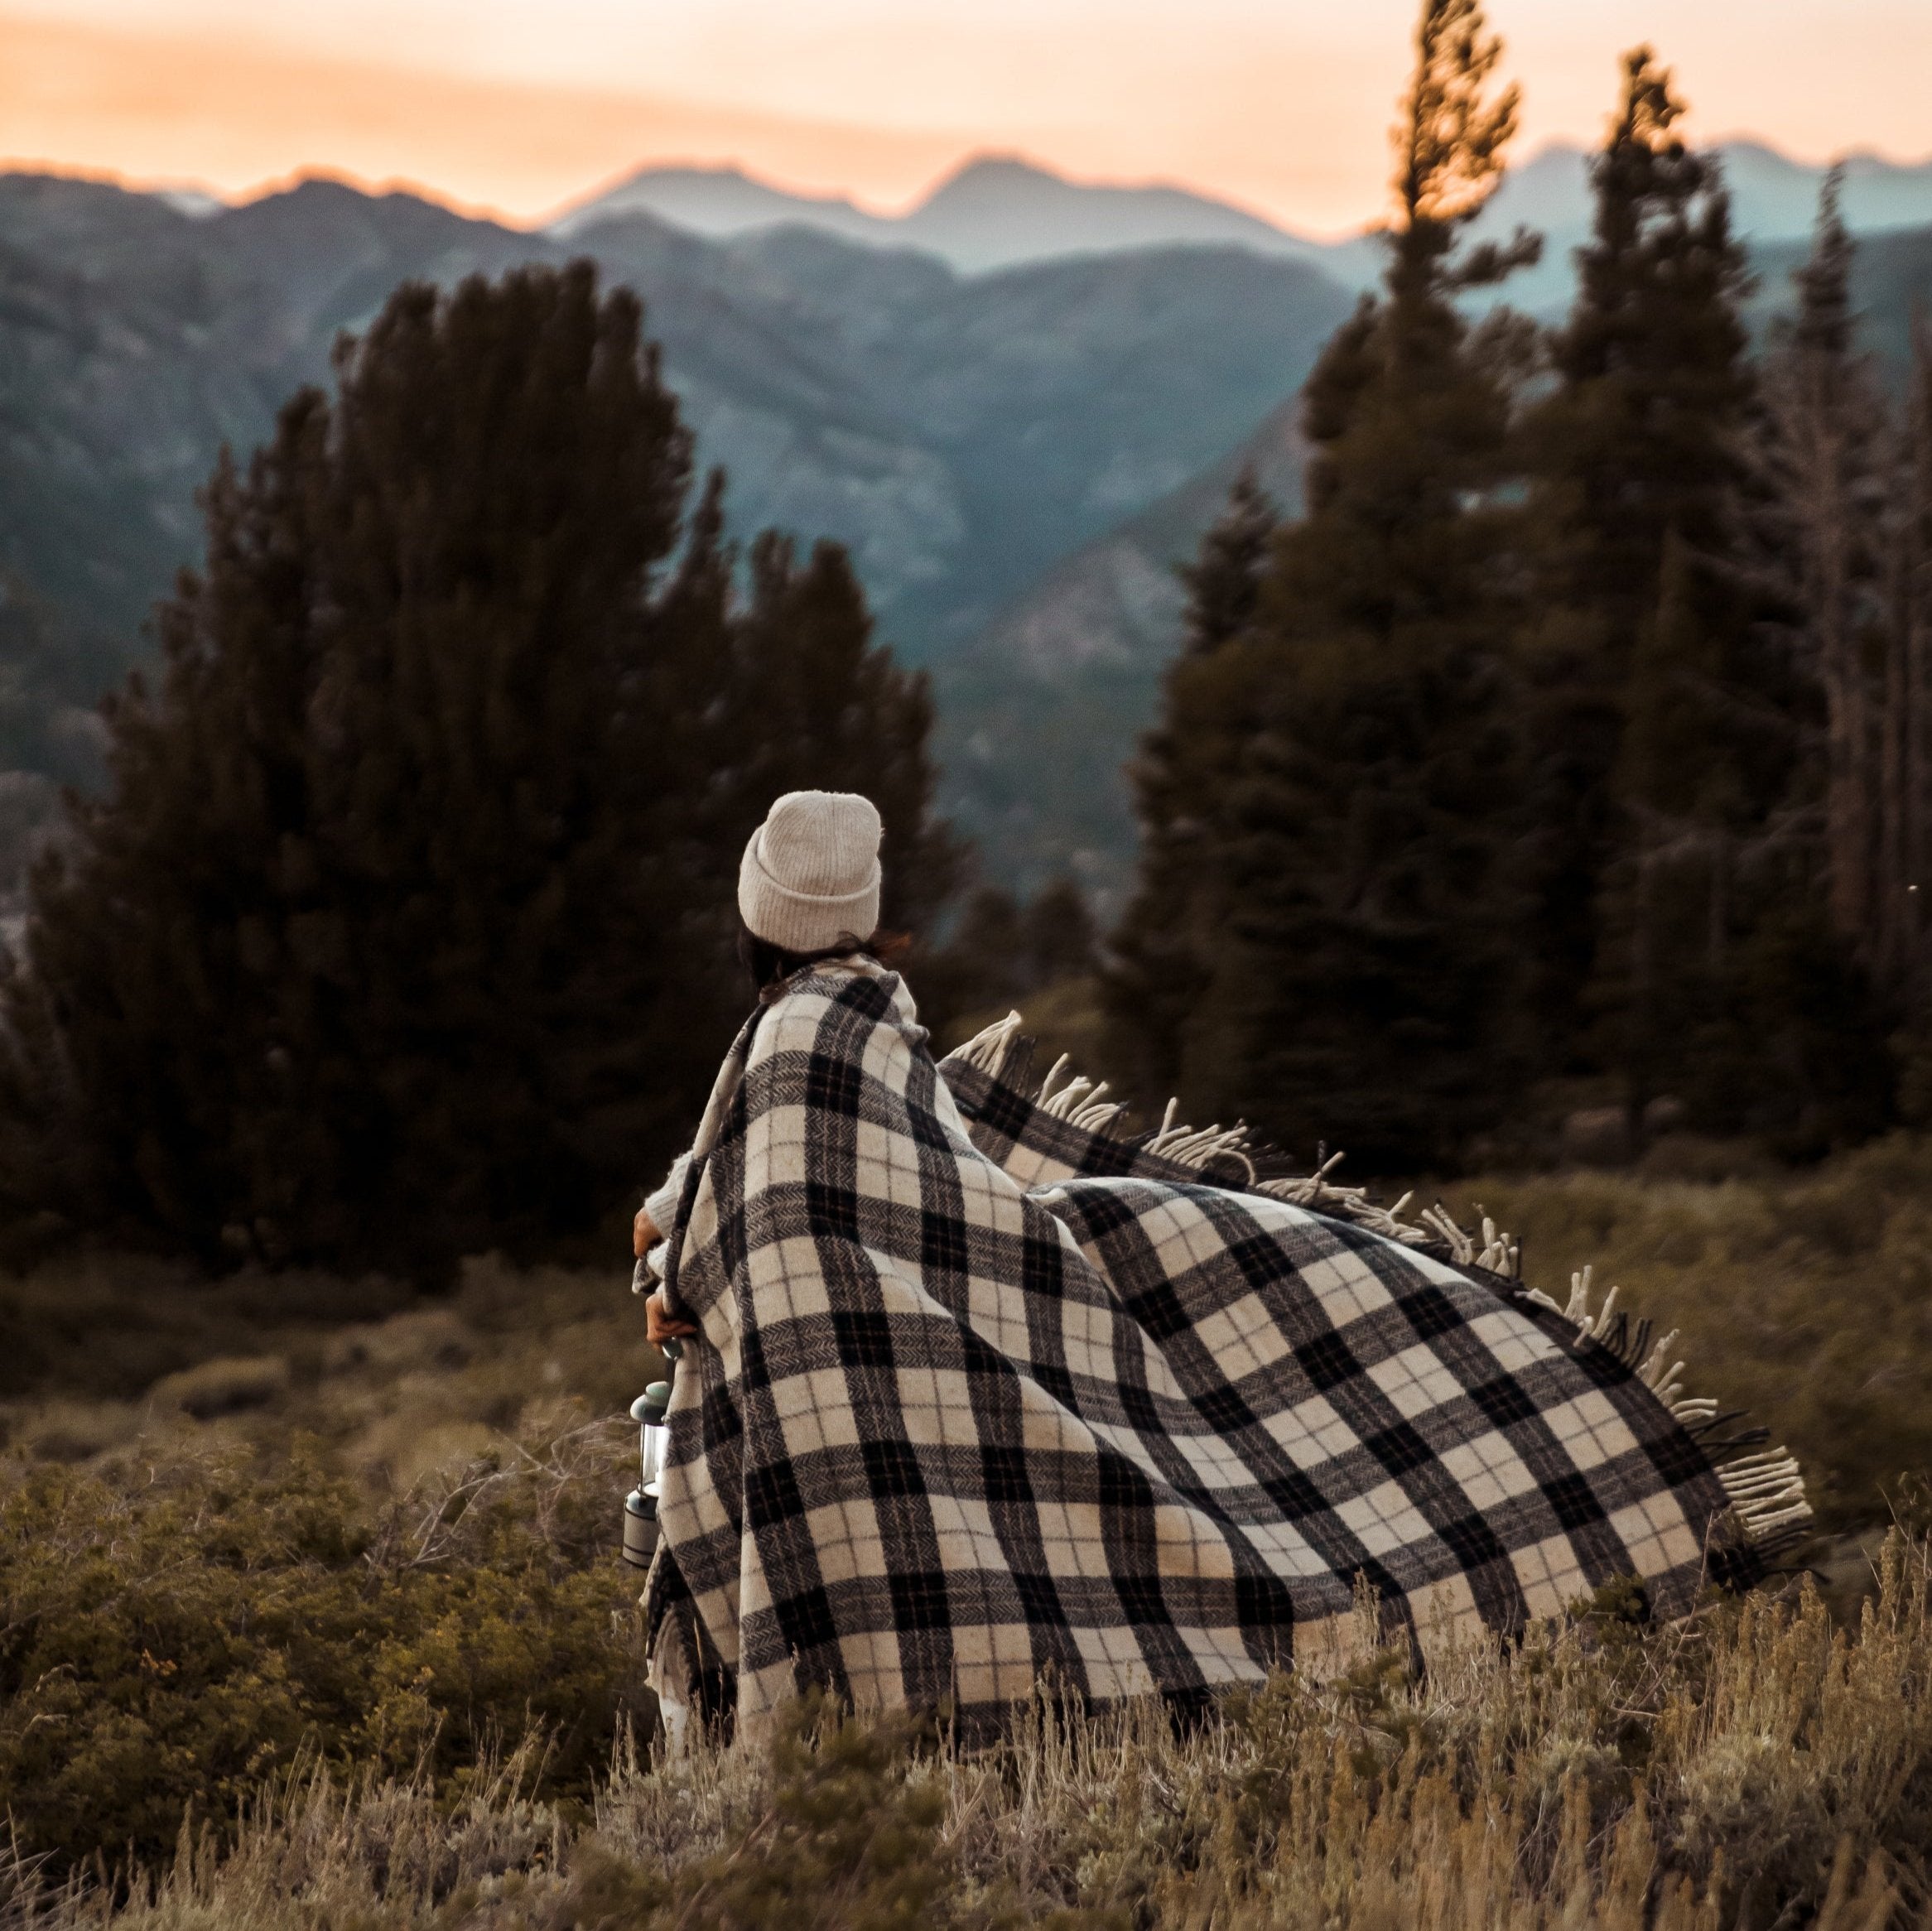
<point x="986" y="1396"/>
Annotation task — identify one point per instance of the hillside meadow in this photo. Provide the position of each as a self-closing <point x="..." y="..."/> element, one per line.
<point x="310" y="1616"/>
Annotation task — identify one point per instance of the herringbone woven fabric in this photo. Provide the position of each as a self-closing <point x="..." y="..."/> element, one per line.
<point x="983" y="1398"/>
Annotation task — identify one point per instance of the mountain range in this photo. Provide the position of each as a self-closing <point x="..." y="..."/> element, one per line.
<point x="960" y="434"/>
<point x="1019" y="405"/>
<point x="994" y="211"/>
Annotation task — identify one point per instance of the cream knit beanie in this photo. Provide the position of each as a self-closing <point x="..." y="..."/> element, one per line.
<point x="811" y="872"/>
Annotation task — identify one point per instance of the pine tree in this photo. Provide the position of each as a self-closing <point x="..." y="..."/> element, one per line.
<point x="816" y="707"/>
<point x="1652" y="380"/>
<point x="403" y="930"/>
<point x="1906" y="761"/>
<point x="1059" y="939"/>
<point x="1636" y="456"/>
<point x="1675" y="698"/>
<point x="47" y="674"/>
<point x="1345" y="945"/>
<point x="1160" y="971"/>
<point x="983" y="969"/>
<point x="1840" y="524"/>
<point x="1224" y="581"/>
<point x="1903" y="965"/>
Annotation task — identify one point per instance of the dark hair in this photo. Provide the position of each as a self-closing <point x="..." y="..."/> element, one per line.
<point x="771" y="965"/>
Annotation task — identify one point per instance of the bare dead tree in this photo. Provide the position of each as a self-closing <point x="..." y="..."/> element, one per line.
<point x="1828" y="465"/>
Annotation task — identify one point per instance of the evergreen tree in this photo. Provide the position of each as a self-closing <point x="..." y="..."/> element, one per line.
<point x="1828" y="500"/>
<point x="983" y="967"/>
<point x="1675" y="703"/>
<point x="1160" y="970"/>
<point x="1906" y="758"/>
<point x="816" y="706"/>
<point x="403" y="930"/>
<point x="1224" y="582"/>
<point x="1327" y="886"/>
<point x="1636" y="455"/>
<point x="1059" y="938"/>
<point x="48" y="675"/>
<point x="1639" y="440"/>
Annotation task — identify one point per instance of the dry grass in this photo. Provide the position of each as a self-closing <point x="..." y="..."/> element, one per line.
<point x="1756" y="1766"/>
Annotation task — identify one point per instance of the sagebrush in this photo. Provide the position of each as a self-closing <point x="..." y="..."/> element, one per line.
<point x="170" y="1637"/>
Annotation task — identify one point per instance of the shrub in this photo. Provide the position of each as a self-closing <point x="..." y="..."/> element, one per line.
<point x="169" y="1642"/>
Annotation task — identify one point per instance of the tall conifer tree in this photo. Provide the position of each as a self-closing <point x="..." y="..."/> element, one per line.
<point x="814" y="705"/>
<point x="1348" y="946"/>
<point x="1164" y="941"/>
<point x="1637" y="455"/>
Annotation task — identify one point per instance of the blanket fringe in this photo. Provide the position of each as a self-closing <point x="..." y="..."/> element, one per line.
<point x="1766" y="1488"/>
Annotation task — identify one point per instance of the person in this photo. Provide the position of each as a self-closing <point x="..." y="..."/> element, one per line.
<point x="809" y="881"/>
<point x="980" y="1391"/>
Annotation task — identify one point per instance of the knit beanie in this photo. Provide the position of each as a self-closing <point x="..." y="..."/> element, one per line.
<point x="811" y="872"/>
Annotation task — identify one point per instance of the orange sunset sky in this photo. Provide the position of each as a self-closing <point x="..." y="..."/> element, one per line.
<point x="518" y="106"/>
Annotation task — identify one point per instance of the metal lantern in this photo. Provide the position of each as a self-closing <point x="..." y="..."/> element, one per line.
<point x="640" y="1505"/>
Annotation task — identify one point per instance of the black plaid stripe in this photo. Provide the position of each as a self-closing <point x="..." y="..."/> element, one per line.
<point x="833" y="1086"/>
<point x="952" y="1450"/>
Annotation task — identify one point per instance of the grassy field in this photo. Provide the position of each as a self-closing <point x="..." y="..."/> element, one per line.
<point x="310" y="1563"/>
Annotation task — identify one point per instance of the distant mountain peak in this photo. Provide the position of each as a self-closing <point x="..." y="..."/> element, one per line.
<point x="996" y="160"/>
<point x="1001" y="172"/>
<point x="197" y="204"/>
<point x="717" y="200"/>
<point x="1009" y="168"/>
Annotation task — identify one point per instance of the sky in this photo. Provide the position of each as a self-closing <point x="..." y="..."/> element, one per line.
<point x="517" y="108"/>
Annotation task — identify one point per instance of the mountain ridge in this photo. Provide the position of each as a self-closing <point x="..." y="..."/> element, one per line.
<point x="994" y="210"/>
<point x="991" y="211"/>
<point x="959" y="434"/>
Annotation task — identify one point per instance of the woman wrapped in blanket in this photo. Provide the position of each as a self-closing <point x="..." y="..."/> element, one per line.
<point x="979" y="1393"/>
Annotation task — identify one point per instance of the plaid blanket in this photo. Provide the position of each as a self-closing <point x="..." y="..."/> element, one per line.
<point x="986" y="1394"/>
